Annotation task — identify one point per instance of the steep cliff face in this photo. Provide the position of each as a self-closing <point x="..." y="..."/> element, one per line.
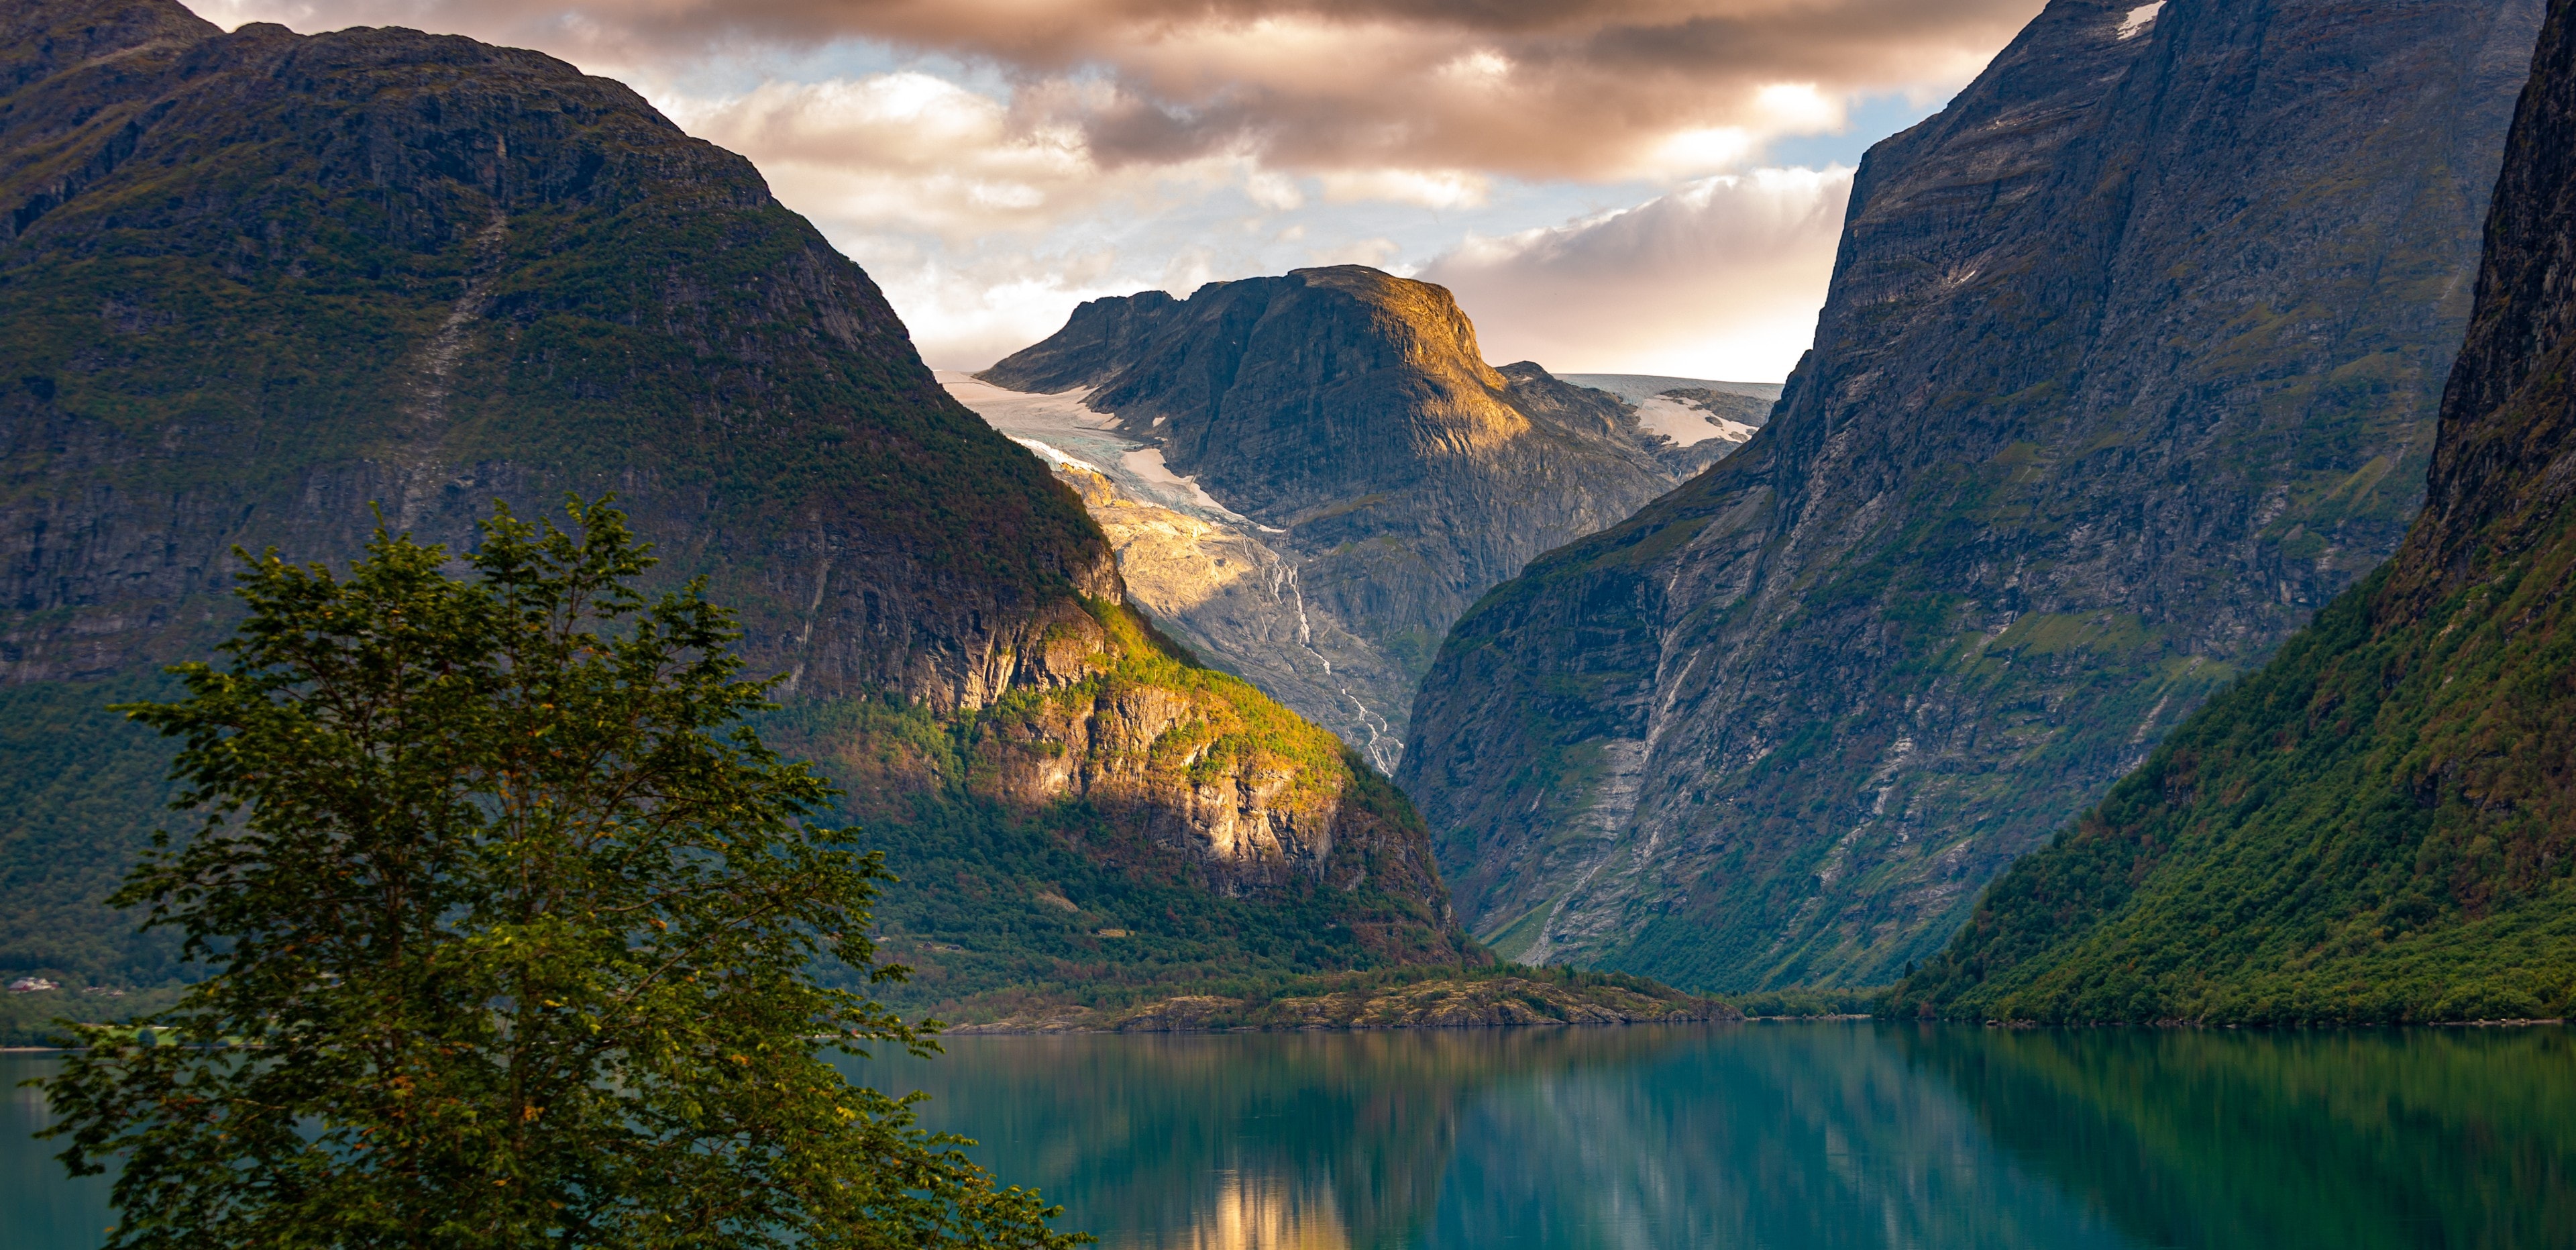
<point x="2381" y="824"/>
<point x="252" y="283"/>
<point x="1349" y="416"/>
<point x="2129" y="362"/>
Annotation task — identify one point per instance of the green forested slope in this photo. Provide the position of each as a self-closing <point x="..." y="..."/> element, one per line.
<point x="2378" y="825"/>
<point x="2374" y="827"/>
<point x="81" y="789"/>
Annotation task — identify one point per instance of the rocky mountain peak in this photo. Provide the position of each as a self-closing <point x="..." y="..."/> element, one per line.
<point x="1304" y="391"/>
<point x="38" y="41"/>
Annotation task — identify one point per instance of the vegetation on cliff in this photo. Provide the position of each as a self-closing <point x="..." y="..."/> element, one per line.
<point x="81" y="793"/>
<point x="2373" y="828"/>
<point x="2379" y="825"/>
<point x="255" y="280"/>
<point x="252" y="281"/>
<point x="1037" y="870"/>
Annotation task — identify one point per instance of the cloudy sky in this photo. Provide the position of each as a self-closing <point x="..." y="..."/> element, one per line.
<point x="1645" y="186"/>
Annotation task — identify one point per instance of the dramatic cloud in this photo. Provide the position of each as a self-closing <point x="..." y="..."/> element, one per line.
<point x="984" y="232"/>
<point x="1720" y="279"/>
<point x="995" y="162"/>
<point x="1444" y="89"/>
<point x="910" y="152"/>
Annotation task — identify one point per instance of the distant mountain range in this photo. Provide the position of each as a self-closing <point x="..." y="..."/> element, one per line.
<point x="1361" y="474"/>
<point x="253" y="282"/>
<point x="1637" y="388"/>
<point x="2379" y="825"/>
<point x="2129" y="362"/>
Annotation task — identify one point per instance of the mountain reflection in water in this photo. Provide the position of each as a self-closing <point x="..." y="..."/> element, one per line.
<point x="1786" y="1136"/>
<point x="2332" y="1140"/>
<point x="1779" y="1136"/>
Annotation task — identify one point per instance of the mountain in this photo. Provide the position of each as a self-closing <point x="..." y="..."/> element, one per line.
<point x="1345" y="438"/>
<point x="2128" y="363"/>
<point x="2380" y="824"/>
<point x="1206" y="573"/>
<point x="1688" y="410"/>
<point x="251" y="283"/>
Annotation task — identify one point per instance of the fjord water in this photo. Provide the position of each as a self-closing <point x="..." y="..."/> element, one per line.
<point x="1765" y="1135"/>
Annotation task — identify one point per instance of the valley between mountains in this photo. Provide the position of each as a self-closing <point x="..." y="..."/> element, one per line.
<point x="2074" y="636"/>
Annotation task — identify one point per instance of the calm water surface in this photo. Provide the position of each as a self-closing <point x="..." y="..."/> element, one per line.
<point x="1787" y="1136"/>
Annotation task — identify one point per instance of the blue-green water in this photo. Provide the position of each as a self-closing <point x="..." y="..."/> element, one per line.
<point x="1787" y="1136"/>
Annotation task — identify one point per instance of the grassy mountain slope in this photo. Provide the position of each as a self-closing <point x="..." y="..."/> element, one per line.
<point x="254" y="281"/>
<point x="81" y="790"/>
<point x="2380" y="825"/>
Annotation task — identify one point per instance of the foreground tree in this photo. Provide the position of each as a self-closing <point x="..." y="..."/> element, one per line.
<point x="509" y="930"/>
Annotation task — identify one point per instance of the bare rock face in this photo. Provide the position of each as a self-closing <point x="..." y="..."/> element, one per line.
<point x="1346" y="421"/>
<point x="1248" y="821"/>
<point x="1352" y="410"/>
<point x="255" y="285"/>
<point x="2130" y="361"/>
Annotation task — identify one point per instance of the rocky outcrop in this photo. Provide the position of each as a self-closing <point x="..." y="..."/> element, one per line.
<point x="2379" y="826"/>
<point x="2128" y="363"/>
<point x="256" y="285"/>
<point x="1348" y="423"/>
<point x="1198" y="761"/>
